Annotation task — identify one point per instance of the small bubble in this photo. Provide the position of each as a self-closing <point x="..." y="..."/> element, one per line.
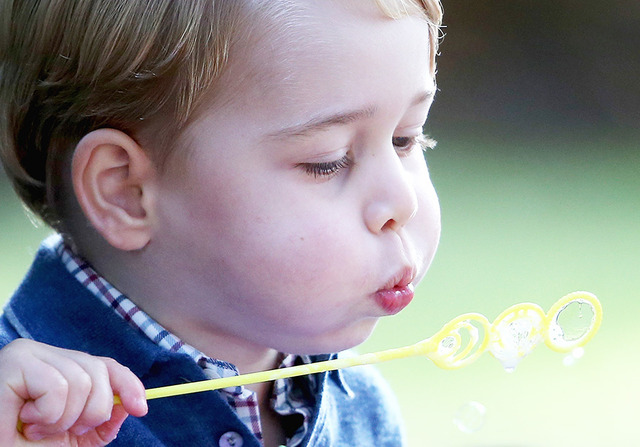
<point x="470" y="417"/>
<point x="515" y="341"/>
<point x="575" y="355"/>
<point x="520" y="330"/>
<point x="448" y="342"/>
<point x="447" y="345"/>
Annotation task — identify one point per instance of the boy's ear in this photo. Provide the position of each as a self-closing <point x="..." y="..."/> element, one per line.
<point x="113" y="179"/>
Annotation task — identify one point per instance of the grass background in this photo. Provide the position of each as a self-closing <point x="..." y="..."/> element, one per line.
<point x="522" y="221"/>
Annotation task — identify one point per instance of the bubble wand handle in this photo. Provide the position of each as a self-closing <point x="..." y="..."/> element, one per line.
<point x="275" y="374"/>
<point x="282" y="373"/>
<point x="426" y="347"/>
<point x="448" y="348"/>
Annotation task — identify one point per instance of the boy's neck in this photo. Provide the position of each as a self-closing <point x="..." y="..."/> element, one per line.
<point x="245" y="356"/>
<point x="150" y="286"/>
<point x="120" y="269"/>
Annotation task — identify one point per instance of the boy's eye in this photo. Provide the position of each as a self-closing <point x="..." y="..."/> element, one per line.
<point x="326" y="169"/>
<point x="406" y="144"/>
<point x="403" y="143"/>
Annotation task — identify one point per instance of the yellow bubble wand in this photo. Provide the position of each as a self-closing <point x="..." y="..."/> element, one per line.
<point x="570" y="323"/>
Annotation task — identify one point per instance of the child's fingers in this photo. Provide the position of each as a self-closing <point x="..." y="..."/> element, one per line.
<point x="100" y="420"/>
<point x="57" y="392"/>
<point x="86" y="402"/>
<point x="107" y="377"/>
<point x="91" y="405"/>
<point x="44" y="393"/>
<point x="108" y="431"/>
<point x="128" y="387"/>
<point x="23" y="378"/>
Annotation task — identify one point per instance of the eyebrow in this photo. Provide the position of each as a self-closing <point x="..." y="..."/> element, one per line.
<point x="323" y="122"/>
<point x="423" y="97"/>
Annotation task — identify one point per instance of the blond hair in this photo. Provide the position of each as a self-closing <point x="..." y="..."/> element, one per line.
<point x="69" y="67"/>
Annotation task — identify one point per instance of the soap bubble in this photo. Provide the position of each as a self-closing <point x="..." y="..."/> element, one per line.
<point x="515" y="333"/>
<point x="572" y="321"/>
<point x="575" y="320"/>
<point x="520" y="331"/>
<point x="447" y="346"/>
<point x="470" y="417"/>
<point x="575" y="355"/>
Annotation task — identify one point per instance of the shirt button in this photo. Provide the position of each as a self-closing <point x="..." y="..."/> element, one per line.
<point x="231" y="439"/>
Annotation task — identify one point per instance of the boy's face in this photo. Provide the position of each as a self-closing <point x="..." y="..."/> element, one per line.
<point x="302" y="201"/>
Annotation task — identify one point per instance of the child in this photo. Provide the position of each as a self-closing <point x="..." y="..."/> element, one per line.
<point x="236" y="185"/>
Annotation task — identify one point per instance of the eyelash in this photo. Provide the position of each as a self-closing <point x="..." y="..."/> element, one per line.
<point x="328" y="169"/>
<point x="422" y="140"/>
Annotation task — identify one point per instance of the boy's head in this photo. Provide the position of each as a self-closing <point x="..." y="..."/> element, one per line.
<point x="143" y="67"/>
<point x="70" y="67"/>
<point x="257" y="168"/>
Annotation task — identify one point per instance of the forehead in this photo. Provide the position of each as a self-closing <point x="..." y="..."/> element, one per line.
<point x="307" y="52"/>
<point x="302" y="28"/>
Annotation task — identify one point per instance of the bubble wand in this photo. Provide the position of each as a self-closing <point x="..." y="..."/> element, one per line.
<point x="570" y="323"/>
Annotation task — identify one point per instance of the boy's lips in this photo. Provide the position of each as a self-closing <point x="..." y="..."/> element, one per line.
<point x="397" y="293"/>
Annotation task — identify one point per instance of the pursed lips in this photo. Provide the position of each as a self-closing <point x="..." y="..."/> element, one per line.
<point x="397" y="293"/>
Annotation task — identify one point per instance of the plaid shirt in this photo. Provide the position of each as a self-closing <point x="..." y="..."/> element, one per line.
<point x="292" y="398"/>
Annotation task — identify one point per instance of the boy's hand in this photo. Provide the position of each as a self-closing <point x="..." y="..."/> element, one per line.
<point x="62" y="397"/>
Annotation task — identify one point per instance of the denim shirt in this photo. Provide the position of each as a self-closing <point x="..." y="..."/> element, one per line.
<point x="353" y="407"/>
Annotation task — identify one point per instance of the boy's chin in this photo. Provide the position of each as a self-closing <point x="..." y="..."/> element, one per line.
<point x="336" y="341"/>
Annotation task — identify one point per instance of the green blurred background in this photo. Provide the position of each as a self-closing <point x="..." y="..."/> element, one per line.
<point x="537" y="169"/>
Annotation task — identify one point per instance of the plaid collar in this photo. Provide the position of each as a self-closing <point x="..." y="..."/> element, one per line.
<point x="292" y="398"/>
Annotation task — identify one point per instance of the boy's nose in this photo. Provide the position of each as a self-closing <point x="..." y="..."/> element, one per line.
<point x="392" y="199"/>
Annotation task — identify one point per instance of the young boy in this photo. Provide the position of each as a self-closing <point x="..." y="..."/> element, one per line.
<point x="236" y="185"/>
